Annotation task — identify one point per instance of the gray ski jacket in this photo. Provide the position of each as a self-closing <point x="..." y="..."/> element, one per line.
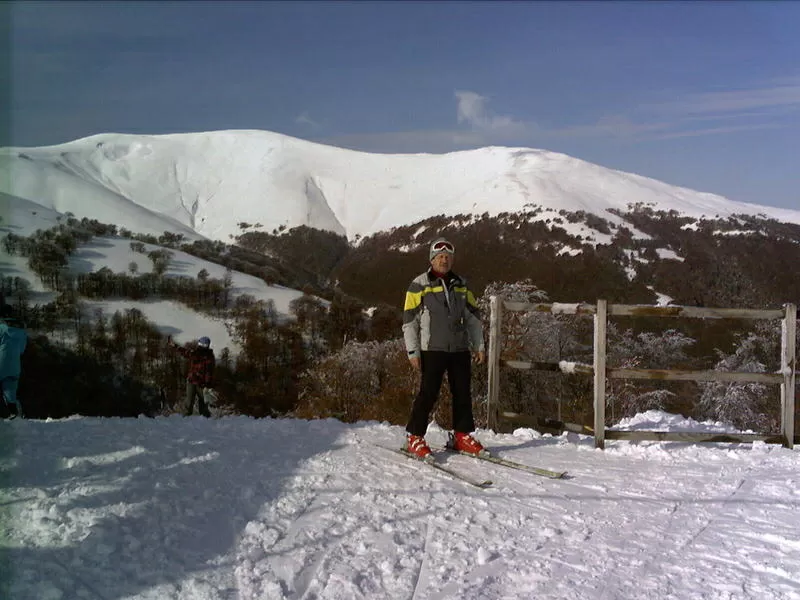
<point x="441" y="314"/>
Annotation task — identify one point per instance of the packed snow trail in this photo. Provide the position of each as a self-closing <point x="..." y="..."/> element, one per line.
<point x="238" y="508"/>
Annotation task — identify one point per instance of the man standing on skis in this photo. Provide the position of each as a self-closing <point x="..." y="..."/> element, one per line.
<point x="441" y="326"/>
<point x="200" y="376"/>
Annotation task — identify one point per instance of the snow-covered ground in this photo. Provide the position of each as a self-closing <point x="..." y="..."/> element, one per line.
<point x="239" y="508"/>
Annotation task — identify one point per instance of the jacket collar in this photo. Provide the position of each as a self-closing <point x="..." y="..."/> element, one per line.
<point x="448" y="278"/>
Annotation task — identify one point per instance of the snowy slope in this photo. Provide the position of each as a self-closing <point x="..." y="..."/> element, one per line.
<point x="237" y="508"/>
<point x="169" y="317"/>
<point x="211" y="182"/>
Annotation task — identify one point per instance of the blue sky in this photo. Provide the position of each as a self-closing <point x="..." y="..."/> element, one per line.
<point x="700" y="94"/>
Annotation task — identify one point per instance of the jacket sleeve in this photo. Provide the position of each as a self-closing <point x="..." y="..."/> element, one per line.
<point x="411" y="319"/>
<point x="472" y="316"/>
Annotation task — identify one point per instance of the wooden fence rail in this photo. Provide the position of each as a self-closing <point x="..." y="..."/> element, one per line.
<point x="600" y="313"/>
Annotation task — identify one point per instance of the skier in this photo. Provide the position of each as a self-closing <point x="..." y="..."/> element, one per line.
<point x="13" y="340"/>
<point x="441" y="325"/>
<point x="200" y="373"/>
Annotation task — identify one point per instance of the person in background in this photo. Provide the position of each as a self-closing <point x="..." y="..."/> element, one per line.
<point x="200" y="373"/>
<point x="441" y="326"/>
<point x="13" y="340"/>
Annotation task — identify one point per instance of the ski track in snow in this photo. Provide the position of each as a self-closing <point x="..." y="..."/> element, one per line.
<point x="238" y="508"/>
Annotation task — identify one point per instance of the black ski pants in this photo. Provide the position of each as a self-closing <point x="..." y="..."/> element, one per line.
<point x="459" y="369"/>
<point x="195" y="392"/>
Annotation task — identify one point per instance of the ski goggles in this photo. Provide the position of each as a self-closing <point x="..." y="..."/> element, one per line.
<point x="443" y="247"/>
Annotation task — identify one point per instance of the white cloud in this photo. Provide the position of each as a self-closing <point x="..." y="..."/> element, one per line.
<point x="760" y="105"/>
<point x="472" y="110"/>
<point x="781" y="94"/>
<point x="483" y="128"/>
<point x="716" y="130"/>
<point x="703" y="113"/>
<point x="304" y="119"/>
<point x="608" y="126"/>
<point x="756" y="107"/>
<point x="691" y="115"/>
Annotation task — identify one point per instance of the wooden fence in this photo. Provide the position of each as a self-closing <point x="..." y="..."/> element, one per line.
<point x="601" y="311"/>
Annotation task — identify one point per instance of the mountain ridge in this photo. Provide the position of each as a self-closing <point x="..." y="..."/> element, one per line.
<point x="216" y="184"/>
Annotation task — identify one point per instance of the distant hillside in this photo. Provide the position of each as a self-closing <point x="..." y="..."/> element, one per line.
<point x="743" y="261"/>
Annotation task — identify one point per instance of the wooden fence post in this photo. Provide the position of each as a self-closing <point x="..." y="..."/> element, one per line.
<point x="495" y="315"/>
<point x="788" y="333"/>
<point x="600" y="319"/>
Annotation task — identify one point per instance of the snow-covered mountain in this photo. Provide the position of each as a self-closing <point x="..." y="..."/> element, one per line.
<point x="209" y="183"/>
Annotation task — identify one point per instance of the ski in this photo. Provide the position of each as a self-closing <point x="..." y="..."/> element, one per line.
<point x="482" y="484"/>
<point x="510" y="464"/>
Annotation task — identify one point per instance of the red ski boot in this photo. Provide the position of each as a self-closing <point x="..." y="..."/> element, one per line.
<point x="464" y="442"/>
<point x="418" y="447"/>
